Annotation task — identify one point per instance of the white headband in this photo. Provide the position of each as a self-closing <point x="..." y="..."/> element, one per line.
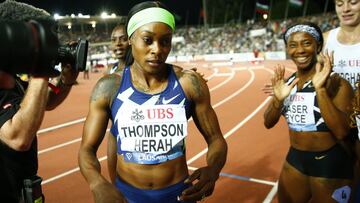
<point x="150" y="15"/>
<point x="303" y="28"/>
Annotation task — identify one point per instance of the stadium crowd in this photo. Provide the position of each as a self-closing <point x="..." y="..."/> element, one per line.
<point x="238" y="39"/>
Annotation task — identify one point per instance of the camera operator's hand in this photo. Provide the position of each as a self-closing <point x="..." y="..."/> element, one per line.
<point x="68" y="75"/>
<point x="63" y="85"/>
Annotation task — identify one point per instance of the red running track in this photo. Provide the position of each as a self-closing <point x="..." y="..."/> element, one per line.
<point x="255" y="154"/>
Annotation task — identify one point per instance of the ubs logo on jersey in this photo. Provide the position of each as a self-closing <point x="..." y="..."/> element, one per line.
<point x="137" y="115"/>
<point x="354" y="63"/>
<point x="350" y="63"/>
<point x="160" y="113"/>
<point x="341" y="64"/>
<point x="296" y="98"/>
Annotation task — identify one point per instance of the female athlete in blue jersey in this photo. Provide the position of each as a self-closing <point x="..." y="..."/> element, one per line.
<point x="149" y="105"/>
<point x="316" y="105"/>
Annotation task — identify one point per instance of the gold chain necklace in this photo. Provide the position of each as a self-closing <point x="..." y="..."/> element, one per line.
<point x="148" y="89"/>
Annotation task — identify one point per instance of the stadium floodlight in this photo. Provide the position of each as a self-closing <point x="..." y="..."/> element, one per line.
<point x="72" y="15"/>
<point x="57" y="16"/>
<point x="265" y="16"/>
<point x="80" y="15"/>
<point x="93" y="24"/>
<point x="69" y="26"/>
<point x="104" y="15"/>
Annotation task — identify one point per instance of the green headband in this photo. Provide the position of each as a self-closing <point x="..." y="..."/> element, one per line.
<point x="150" y="15"/>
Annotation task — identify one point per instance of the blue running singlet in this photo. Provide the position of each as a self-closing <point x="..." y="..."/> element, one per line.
<point x="150" y="128"/>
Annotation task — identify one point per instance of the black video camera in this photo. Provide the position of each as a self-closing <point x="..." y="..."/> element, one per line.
<point x="33" y="47"/>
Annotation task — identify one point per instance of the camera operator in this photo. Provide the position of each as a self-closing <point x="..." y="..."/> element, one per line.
<point x="22" y="107"/>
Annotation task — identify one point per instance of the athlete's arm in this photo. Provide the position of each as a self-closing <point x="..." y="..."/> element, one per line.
<point x="206" y="121"/>
<point x="334" y="109"/>
<point x="19" y="131"/>
<point x="281" y="91"/>
<point x="94" y="131"/>
<point x="112" y="156"/>
<point x="272" y="113"/>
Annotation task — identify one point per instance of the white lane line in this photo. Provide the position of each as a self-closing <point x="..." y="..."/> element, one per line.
<point x="239" y="125"/>
<point x="45" y="130"/>
<point x="216" y="70"/>
<point x="59" y="146"/>
<point x="271" y="194"/>
<point x="231" y="76"/>
<point x="67" y="173"/>
<point x="63" y="144"/>
<point x="238" y="91"/>
<point x="243" y="178"/>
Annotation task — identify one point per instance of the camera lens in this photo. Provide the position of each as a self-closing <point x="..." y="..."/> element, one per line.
<point x="74" y="54"/>
<point x="28" y="47"/>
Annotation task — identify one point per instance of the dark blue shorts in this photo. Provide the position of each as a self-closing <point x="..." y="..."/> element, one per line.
<point x="332" y="163"/>
<point x="164" y="195"/>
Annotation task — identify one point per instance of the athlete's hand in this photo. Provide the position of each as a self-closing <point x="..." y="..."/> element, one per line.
<point x="203" y="187"/>
<point x="281" y="89"/>
<point x="107" y="193"/>
<point x="323" y="70"/>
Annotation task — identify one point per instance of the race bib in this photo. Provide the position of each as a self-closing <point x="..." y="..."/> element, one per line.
<point x="351" y="74"/>
<point x="154" y="129"/>
<point x="299" y="109"/>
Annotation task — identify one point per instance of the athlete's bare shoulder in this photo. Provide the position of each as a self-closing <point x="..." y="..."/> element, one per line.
<point x="191" y="81"/>
<point x="120" y="70"/>
<point x="106" y="88"/>
<point x="181" y="72"/>
<point x="177" y="69"/>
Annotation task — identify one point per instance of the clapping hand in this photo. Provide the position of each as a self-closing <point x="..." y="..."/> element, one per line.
<point x="323" y="70"/>
<point x="280" y="88"/>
